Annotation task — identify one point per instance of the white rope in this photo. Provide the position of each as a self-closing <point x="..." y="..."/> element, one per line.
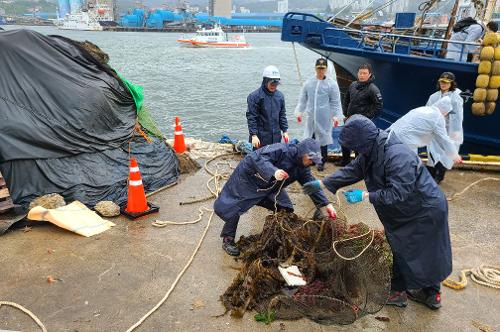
<point x="352" y="238"/>
<point x="470" y="185"/>
<point x="179" y="276"/>
<point x="26" y="311"/>
<point x="301" y="81"/>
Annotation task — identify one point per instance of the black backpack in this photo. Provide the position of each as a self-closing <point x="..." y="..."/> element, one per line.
<point x="464" y="24"/>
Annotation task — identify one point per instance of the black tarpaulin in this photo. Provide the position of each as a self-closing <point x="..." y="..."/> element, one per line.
<point x="66" y="121"/>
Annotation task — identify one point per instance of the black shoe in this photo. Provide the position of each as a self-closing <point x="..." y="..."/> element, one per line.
<point x="398" y="299"/>
<point x="321" y="167"/>
<point x="229" y="246"/>
<point x="433" y="301"/>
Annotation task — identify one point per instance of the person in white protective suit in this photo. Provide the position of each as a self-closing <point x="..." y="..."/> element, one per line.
<point x="439" y="161"/>
<point x="320" y="105"/>
<point x="423" y="125"/>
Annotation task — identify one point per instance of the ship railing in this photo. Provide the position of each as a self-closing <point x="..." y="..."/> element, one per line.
<point x="396" y="43"/>
<point x="310" y="29"/>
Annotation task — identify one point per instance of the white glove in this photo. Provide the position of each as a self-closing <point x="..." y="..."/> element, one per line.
<point x="255" y="141"/>
<point x="280" y="175"/>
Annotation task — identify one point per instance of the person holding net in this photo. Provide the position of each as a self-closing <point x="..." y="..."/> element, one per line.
<point x="260" y="179"/>
<point x="409" y="203"/>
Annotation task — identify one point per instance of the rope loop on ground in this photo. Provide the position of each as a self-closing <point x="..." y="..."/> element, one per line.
<point x="27" y="312"/>
<point x="454" y="196"/>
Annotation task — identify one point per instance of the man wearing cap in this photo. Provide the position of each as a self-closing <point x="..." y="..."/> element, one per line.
<point x="439" y="160"/>
<point x="319" y="103"/>
<point x="261" y="178"/>
<point x="266" y="113"/>
<point x="363" y="97"/>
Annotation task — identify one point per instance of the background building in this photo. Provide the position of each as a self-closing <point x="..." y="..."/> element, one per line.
<point x="220" y="8"/>
<point x="283" y="6"/>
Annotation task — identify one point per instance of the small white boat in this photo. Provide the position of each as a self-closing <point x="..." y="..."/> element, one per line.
<point x="87" y="19"/>
<point x="215" y="37"/>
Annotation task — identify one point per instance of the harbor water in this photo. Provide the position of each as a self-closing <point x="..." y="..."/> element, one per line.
<point x="207" y="88"/>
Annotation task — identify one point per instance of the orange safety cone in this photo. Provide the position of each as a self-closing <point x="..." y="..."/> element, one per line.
<point x="179" y="144"/>
<point x="136" y="202"/>
<point x="137" y="205"/>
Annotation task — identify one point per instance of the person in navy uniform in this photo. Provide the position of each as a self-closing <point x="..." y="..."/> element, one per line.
<point x="261" y="178"/>
<point x="266" y="112"/>
<point x="409" y="203"/>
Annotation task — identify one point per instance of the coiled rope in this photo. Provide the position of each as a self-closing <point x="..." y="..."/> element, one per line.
<point x="26" y="311"/>
<point x="485" y="275"/>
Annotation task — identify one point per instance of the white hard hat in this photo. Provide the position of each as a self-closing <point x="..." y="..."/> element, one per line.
<point x="271" y="72"/>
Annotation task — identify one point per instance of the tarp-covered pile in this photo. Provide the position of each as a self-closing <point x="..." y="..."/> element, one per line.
<point x="67" y="122"/>
<point x="347" y="270"/>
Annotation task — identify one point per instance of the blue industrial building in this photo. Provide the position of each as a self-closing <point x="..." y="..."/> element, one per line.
<point x="159" y="18"/>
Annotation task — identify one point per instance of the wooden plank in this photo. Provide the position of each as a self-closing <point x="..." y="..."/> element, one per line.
<point x="4" y="193"/>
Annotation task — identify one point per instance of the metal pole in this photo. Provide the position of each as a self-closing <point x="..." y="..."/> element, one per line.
<point x="354" y="19"/>
<point x="338" y="13"/>
<point x="450" y="27"/>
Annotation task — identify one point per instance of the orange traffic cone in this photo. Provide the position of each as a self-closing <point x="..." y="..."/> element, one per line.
<point x="179" y="144"/>
<point x="137" y="205"/>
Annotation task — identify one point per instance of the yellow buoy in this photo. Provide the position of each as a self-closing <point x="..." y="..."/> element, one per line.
<point x="490" y="108"/>
<point x="480" y="95"/>
<point x="487" y="53"/>
<point x="490" y="39"/>
<point x="478" y="109"/>
<point x="482" y="81"/>
<point x="494" y="82"/>
<point x="484" y="67"/>
<point x="497" y="53"/>
<point x="495" y="68"/>
<point x="492" y="95"/>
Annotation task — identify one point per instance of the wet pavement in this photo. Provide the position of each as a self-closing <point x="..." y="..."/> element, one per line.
<point x="108" y="282"/>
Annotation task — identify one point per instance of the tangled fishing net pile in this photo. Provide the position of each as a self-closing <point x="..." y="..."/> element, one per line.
<point x="338" y="291"/>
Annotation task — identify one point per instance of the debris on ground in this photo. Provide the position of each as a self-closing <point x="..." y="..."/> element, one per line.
<point x="49" y="201"/>
<point x="338" y="290"/>
<point x="107" y="209"/>
<point x="187" y="165"/>
<point x="383" y="318"/>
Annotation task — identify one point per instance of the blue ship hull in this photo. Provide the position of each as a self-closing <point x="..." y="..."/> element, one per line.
<point x="406" y="81"/>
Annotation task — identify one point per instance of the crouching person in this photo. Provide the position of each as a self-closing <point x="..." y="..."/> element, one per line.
<point x="260" y="179"/>
<point x="409" y="203"/>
